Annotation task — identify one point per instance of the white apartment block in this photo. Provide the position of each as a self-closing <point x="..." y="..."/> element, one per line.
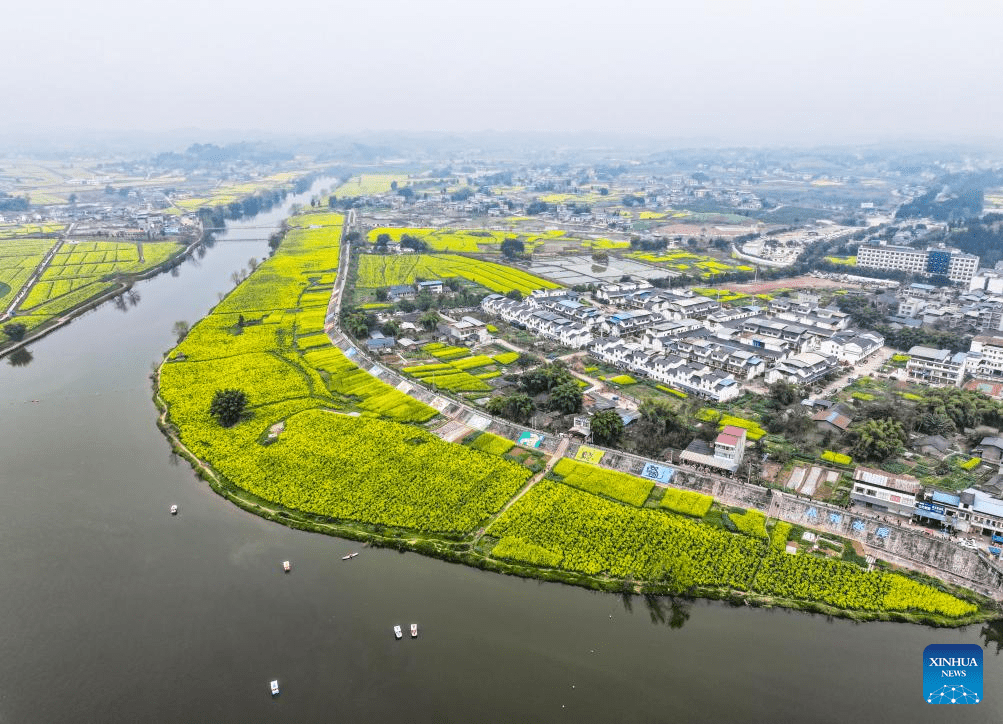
<point x="951" y="263"/>
<point x="985" y="359"/>
<point x="936" y="367"/>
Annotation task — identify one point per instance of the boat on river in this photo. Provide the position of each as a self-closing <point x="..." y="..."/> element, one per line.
<point x="174" y="510"/>
<point x="349" y="557"/>
<point x="414" y="630"/>
<point x="287" y="566"/>
<point x="275" y="687"/>
<point x="398" y="633"/>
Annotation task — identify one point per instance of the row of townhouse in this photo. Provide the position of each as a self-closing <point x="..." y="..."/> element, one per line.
<point x="741" y="363"/>
<point x="672" y="369"/>
<point x="541" y="321"/>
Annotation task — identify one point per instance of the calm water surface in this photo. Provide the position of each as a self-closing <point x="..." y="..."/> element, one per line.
<point x="113" y="611"/>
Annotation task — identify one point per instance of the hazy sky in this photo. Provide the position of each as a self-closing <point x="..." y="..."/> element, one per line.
<point x="750" y="71"/>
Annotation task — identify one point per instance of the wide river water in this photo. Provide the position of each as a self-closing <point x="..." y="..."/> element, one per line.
<point x="111" y="610"/>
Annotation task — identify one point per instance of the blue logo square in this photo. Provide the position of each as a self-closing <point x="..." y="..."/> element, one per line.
<point x="952" y="674"/>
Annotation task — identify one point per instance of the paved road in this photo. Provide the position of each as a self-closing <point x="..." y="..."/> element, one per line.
<point x="866" y="368"/>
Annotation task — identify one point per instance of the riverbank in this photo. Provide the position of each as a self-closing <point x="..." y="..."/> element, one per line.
<point x="310" y="478"/>
<point x="467" y="553"/>
<point x="123" y="284"/>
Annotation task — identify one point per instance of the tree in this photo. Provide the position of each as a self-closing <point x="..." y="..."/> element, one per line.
<point x="409" y="241"/>
<point x="390" y="328"/>
<point x="514" y="294"/>
<point x="429" y="320"/>
<point x="879" y="439"/>
<point x="517" y="407"/>
<point x="357" y="324"/>
<point x="526" y="359"/>
<point x="537" y="207"/>
<point x="252" y="263"/>
<point x="783" y="394"/>
<point x="607" y="427"/>
<point x="15" y="330"/>
<point x="566" y="398"/>
<point x="228" y="406"/>
<point x="600" y="257"/>
<point x="382" y="294"/>
<point x="659" y="427"/>
<point x="512" y="247"/>
<point x="181" y="328"/>
<point x="546" y="378"/>
<point x="382" y="241"/>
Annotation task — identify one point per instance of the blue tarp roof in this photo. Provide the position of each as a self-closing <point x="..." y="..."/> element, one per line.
<point x="930" y="514"/>
<point x="946" y="498"/>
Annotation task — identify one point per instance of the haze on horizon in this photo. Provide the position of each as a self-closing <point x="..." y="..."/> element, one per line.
<point x="751" y="73"/>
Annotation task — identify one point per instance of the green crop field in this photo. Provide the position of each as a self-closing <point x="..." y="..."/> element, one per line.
<point x="266" y="339"/>
<point x="463" y="240"/>
<point x="321" y="462"/>
<point x="556" y="526"/>
<point x="83" y="270"/>
<point x="370" y="183"/>
<point x="18" y="259"/>
<point x="379" y="270"/>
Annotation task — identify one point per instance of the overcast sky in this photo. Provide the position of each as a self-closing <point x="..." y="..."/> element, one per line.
<point x="742" y="71"/>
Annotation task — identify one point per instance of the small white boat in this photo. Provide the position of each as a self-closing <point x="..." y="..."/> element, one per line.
<point x="275" y="687"/>
<point x="414" y="630"/>
<point x="349" y="557"/>
<point x="286" y="566"/>
<point x="398" y="633"/>
<point x="174" y="510"/>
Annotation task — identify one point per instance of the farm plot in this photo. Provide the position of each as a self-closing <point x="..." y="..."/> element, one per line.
<point x="462" y="240"/>
<point x="560" y="527"/>
<point x="378" y="270"/>
<point x="18" y="259"/>
<point x="321" y="462"/>
<point x="82" y="270"/>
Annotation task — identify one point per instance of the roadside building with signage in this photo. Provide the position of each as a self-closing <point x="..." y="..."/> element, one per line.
<point x="896" y="494"/>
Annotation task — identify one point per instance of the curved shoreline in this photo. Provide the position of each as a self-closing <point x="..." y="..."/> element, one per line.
<point x="465" y="551"/>
<point x="467" y="547"/>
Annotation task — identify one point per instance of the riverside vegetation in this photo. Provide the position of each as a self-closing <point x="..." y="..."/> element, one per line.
<point x="303" y="453"/>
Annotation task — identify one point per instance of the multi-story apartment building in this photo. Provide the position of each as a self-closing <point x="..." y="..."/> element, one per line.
<point x="985" y="358"/>
<point x="951" y="263"/>
<point x="936" y="367"/>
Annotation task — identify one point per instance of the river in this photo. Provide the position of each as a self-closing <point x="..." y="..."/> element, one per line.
<point x="111" y="610"/>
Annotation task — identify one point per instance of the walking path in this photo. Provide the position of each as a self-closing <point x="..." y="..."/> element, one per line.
<point x="558" y="454"/>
